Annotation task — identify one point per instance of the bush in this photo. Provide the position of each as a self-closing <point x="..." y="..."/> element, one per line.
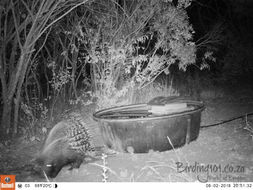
<point x="130" y="45"/>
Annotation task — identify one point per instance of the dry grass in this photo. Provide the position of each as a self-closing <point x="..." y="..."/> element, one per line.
<point x="248" y="126"/>
<point x="151" y="171"/>
<point x="163" y="87"/>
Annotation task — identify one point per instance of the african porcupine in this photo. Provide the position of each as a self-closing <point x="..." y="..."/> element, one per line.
<point x="68" y="142"/>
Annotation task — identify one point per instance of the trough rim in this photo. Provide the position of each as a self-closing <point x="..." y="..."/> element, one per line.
<point x="97" y="115"/>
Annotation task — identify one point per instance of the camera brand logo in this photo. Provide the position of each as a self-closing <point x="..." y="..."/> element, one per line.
<point x="7" y="182"/>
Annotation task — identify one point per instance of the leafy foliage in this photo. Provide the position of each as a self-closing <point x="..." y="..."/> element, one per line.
<point x="114" y="47"/>
<point x="128" y="49"/>
<point x="24" y="28"/>
<point x="35" y="119"/>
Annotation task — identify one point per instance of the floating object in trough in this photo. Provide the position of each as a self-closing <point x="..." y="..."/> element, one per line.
<point x="143" y="127"/>
<point x="169" y="108"/>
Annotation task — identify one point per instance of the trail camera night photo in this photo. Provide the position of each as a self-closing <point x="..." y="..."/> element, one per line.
<point x="126" y="91"/>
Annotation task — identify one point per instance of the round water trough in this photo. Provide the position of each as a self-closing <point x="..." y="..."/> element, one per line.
<point x="140" y="128"/>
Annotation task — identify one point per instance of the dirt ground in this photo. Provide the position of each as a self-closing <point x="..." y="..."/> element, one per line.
<point x="221" y="153"/>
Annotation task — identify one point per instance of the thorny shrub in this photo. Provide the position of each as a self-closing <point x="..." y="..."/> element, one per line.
<point x="60" y="77"/>
<point x="33" y="121"/>
<point x="129" y="52"/>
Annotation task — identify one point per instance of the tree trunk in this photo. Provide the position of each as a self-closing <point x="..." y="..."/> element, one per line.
<point x="94" y="85"/>
<point x="6" y="118"/>
<point x="14" y="86"/>
<point x="16" y="111"/>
